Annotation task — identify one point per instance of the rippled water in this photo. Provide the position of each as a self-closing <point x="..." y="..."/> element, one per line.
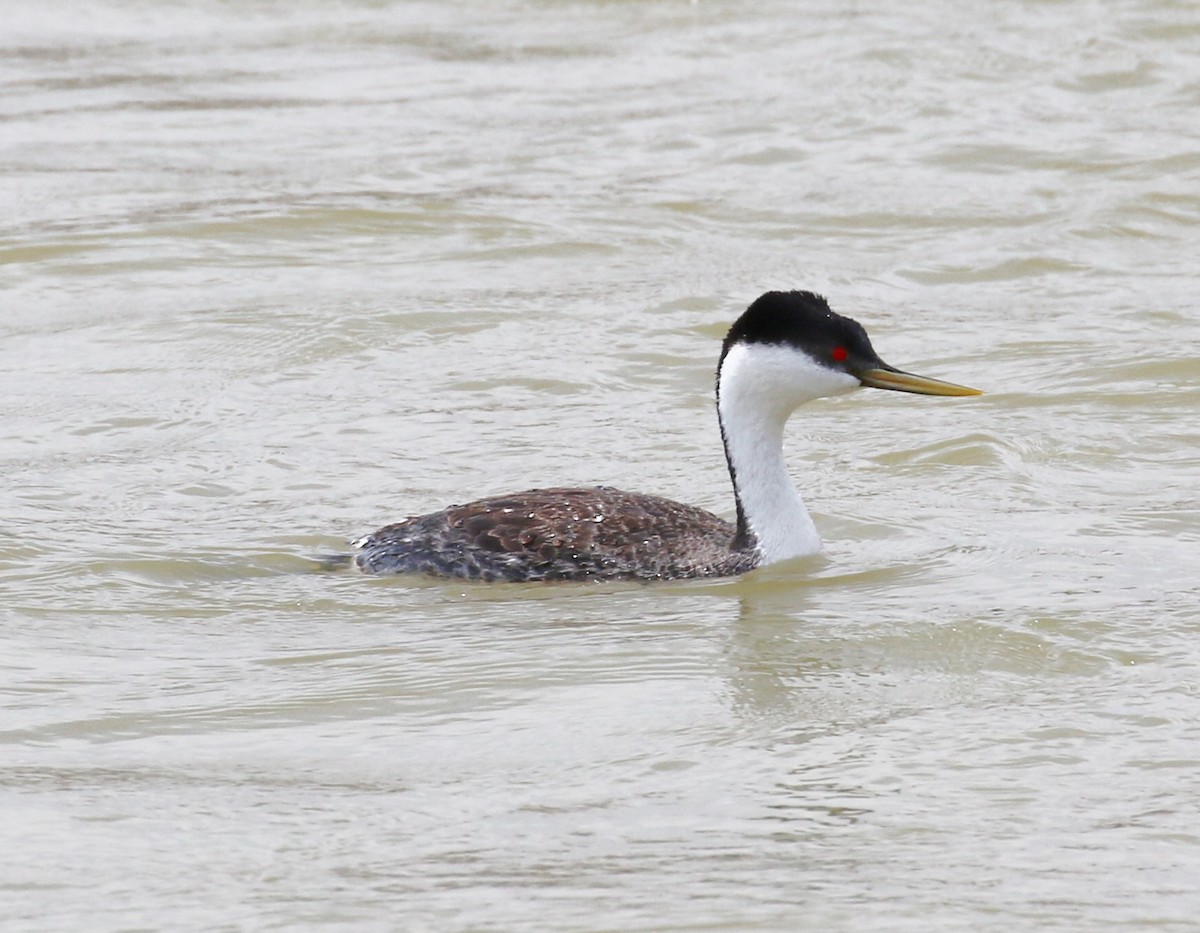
<point x="276" y="274"/>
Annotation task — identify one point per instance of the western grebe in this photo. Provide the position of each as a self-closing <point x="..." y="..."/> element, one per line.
<point x="786" y="349"/>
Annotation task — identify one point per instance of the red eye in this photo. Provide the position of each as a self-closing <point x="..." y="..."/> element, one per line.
<point x="839" y="354"/>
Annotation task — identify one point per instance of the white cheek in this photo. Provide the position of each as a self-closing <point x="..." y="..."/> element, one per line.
<point x="780" y="376"/>
<point x="811" y="380"/>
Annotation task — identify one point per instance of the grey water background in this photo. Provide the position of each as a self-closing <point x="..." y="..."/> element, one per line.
<point x="272" y="275"/>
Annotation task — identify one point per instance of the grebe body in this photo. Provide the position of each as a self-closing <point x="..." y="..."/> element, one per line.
<point x="786" y="349"/>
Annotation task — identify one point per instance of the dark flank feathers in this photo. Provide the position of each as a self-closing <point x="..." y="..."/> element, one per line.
<point x="595" y="533"/>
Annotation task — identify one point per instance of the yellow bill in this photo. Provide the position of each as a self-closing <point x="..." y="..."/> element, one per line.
<point x="900" y="381"/>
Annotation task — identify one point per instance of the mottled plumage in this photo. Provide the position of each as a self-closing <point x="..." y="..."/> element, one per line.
<point x="593" y="533"/>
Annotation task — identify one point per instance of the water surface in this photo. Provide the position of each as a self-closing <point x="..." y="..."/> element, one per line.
<point x="274" y="275"/>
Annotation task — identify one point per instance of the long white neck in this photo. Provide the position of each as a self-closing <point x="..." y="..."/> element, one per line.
<point x="758" y="388"/>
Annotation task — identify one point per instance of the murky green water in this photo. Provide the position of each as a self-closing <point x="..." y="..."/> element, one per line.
<point x="272" y="276"/>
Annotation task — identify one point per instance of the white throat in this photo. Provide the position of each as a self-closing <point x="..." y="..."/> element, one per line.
<point x="758" y="388"/>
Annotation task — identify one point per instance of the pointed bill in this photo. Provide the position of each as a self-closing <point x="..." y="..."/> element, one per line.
<point x="900" y="381"/>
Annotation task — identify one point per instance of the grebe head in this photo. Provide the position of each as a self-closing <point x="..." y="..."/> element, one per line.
<point x="791" y="347"/>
